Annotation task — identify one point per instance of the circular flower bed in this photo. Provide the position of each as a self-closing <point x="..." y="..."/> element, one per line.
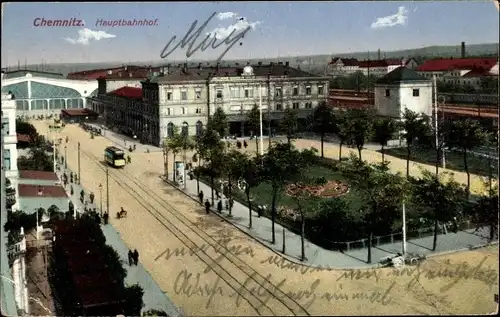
<point x="331" y="189"/>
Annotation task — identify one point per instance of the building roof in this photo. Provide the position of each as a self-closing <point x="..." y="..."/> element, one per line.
<point x="40" y="175"/>
<point x="440" y="65"/>
<point x="478" y="72"/>
<point x="122" y="72"/>
<point x="203" y="73"/>
<point x="24" y="72"/>
<point x="401" y="74"/>
<point x="79" y="112"/>
<point x="345" y="61"/>
<point x="128" y="92"/>
<point x="27" y="190"/>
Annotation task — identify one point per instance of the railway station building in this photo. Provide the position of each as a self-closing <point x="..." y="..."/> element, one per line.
<point x="185" y="96"/>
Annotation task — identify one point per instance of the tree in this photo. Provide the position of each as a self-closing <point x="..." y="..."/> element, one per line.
<point x="233" y="170"/>
<point x="219" y="122"/>
<point x="484" y="213"/>
<point x="436" y="140"/>
<point x="343" y="130"/>
<point x="322" y="122"/>
<point x="362" y="126"/>
<point x="381" y="191"/>
<point x="289" y="124"/>
<point x="166" y="152"/>
<point x="133" y="299"/>
<point x="280" y="166"/>
<point x="384" y="130"/>
<point x="252" y="179"/>
<point x="413" y="126"/>
<point x="465" y="135"/>
<point x="253" y="119"/>
<point x="441" y="201"/>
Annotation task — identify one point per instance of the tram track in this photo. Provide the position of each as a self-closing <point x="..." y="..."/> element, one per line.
<point x="147" y="199"/>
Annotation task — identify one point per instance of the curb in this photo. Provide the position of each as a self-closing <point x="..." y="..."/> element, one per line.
<point x="284" y="256"/>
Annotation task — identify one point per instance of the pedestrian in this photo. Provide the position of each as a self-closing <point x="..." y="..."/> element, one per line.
<point x="200" y="195"/>
<point x="130" y="258"/>
<point x="231" y="203"/>
<point x="245" y="143"/>
<point x="219" y="206"/>
<point x="259" y="211"/>
<point x="136" y="256"/>
<point x="455" y="225"/>
<point x="105" y="217"/>
<point x="207" y="206"/>
<point x="226" y="204"/>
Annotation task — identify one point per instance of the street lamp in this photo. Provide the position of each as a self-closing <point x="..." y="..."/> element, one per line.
<point x="66" y="156"/>
<point x="100" y="197"/>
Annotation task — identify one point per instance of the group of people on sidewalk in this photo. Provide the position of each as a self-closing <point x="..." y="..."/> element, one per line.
<point x="229" y="202"/>
<point x="133" y="257"/>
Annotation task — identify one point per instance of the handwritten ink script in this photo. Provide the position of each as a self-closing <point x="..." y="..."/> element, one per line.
<point x="221" y="248"/>
<point x="191" y="285"/>
<point x="190" y="39"/>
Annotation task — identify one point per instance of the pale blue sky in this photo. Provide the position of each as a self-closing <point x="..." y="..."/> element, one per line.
<point x="284" y="29"/>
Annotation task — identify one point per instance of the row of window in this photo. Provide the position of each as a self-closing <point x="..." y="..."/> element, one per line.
<point x="278" y="107"/>
<point x="5" y="125"/>
<point x="184" y="128"/>
<point x="248" y="92"/>
<point x="416" y="92"/>
<point x="50" y="104"/>
<point x="6" y="159"/>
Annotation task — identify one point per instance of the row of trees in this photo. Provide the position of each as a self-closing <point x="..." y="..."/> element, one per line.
<point x="37" y="159"/>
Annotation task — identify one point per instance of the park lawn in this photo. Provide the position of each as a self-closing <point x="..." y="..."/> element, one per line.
<point x="454" y="160"/>
<point x="262" y="194"/>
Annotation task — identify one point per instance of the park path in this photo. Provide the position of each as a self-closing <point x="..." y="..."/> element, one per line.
<point x="143" y="231"/>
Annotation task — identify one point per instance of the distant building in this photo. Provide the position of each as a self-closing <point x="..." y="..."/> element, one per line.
<point x="403" y="89"/>
<point x="10" y="137"/>
<point x="460" y="71"/>
<point x="347" y="66"/>
<point x="185" y="97"/>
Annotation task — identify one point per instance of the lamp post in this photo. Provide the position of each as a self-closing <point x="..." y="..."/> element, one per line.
<point x="65" y="156"/>
<point x="79" y="174"/>
<point x="107" y="189"/>
<point x="260" y="120"/>
<point x="100" y="197"/>
<point x="39" y="193"/>
<point x="443" y="102"/>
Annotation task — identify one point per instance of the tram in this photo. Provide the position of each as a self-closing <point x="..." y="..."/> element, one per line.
<point x="114" y="156"/>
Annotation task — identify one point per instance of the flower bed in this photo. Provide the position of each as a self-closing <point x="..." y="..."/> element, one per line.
<point x="333" y="188"/>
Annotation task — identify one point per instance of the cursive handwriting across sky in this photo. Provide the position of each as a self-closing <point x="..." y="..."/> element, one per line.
<point x="190" y="39"/>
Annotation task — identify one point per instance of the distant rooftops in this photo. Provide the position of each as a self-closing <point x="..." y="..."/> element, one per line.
<point x="23" y="72"/>
<point x="122" y="73"/>
<point x="128" y="92"/>
<point x="401" y="75"/>
<point x="371" y="63"/>
<point x="448" y="64"/>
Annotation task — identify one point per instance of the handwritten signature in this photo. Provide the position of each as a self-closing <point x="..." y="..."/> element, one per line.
<point x="191" y="285"/>
<point x="191" y="40"/>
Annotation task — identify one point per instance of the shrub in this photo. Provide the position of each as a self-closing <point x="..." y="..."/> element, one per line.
<point x="321" y="181"/>
<point x="154" y="312"/>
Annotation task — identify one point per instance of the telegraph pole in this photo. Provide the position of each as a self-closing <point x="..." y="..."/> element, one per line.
<point x="269" y="108"/>
<point x="107" y="189"/>
<point x="79" y="174"/>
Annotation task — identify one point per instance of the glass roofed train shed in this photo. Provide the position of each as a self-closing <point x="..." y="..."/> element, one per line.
<point x="42" y="93"/>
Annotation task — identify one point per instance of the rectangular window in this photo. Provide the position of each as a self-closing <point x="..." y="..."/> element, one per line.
<point x="219" y="93"/>
<point x="295" y="91"/>
<point x="320" y="90"/>
<point x="184" y="95"/>
<point x="169" y="96"/>
<point x="233" y="92"/>
<point x="308" y="105"/>
<point x="295" y="105"/>
<point x="279" y="107"/>
<point x="5" y="125"/>
<point x="169" y="112"/>
<point x="308" y="90"/>
<point x="183" y="110"/>
<point x="279" y="92"/>
<point x="387" y="92"/>
<point x="247" y="93"/>
<point x="416" y="92"/>
<point x="6" y="160"/>
<point x="198" y="110"/>
<point x="198" y="94"/>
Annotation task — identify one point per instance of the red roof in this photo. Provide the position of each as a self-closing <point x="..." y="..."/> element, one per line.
<point x="440" y="65"/>
<point x="79" y="112"/>
<point x="478" y="72"/>
<point x="131" y="71"/>
<point x="41" y="175"/>
<point x="26" y="190"/>
<point x="128" y="92"/>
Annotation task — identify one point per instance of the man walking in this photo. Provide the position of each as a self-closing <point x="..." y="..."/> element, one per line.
<point x="136" y="256"/>
<point x="130" y="257"/>
<point x="207" y="206"/>
<point x="219" y="206"/>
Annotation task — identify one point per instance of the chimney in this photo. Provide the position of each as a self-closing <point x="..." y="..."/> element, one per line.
<point x="168" y="68"/>
<point x="101" y="86"/>
<point x="463" y="50"/>
<point x="378" y="55"/>
<point x="287" y="64"/>
<point x="217" y="67"/>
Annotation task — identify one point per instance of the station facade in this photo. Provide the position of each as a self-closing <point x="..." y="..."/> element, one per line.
<point x="41" y="93"/>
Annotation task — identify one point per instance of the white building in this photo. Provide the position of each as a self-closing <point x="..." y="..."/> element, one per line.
<point x="10" y="137"/>
<point x="342" y="67"/>
<point x="382" y="67"/>
<point x="403" y="89"/>
<point x="185" y="98"/>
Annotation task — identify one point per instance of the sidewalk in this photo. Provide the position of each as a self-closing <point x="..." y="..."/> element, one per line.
<point x="318" y="256"/>
<point x="154" y="297"/>
<point x="119" y="141"/>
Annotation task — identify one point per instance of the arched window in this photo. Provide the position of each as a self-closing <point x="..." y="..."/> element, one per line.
<point x="199" y="128"/>
<point x="170" y="129"/>
<point x="185" y="129"/>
